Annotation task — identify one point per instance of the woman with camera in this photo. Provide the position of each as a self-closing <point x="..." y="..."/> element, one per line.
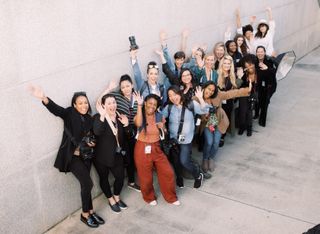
<point x="148" y="154"/>
<point x="181" y="128"/>
<point x="127" y="105"/>
<point x="247" y="104"/>
<point x="216" y="122"/>
<point x="266" y="85"/>
<point x="151" y="85"/>
<point x="110" y="128"/>
<point x="77" y="123"/>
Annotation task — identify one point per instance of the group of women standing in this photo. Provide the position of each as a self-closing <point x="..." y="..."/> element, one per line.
<point x="198" y="96"/>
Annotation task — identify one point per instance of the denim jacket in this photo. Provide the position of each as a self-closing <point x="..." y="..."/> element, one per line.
<point x="189" y="123"/>
<point x="160" y="90"/>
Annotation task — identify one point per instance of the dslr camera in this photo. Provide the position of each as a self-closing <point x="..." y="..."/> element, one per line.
<point x="133" y="44"/>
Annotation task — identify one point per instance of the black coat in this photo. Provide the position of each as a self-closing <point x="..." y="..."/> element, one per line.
<point x="105" y="150"/>
<point x="77" y="124"/>
<point x="267" y="82"/>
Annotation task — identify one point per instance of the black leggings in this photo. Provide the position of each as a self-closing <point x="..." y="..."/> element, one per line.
<point x="130" y="160"/>
<point x="103" y="172"/>
<point x="81" y="170"/>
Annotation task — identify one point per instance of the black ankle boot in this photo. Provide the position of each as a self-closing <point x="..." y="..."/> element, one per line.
<point x="249" y="131"/>
<point x="241" y="130"/>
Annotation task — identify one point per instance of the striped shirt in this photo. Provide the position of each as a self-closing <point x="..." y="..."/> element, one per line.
<point x="125" y="106"/>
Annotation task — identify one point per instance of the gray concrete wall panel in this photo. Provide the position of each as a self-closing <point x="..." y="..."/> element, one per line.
<point x="68" y="46"/>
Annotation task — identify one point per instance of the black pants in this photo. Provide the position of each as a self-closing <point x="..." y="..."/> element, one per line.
<point x="118" y="174"/>
<point x="174" y="159"/>
<point x="245" y="113"/>
<point x="131" y="168"/>
<point x="228" y="107"/>
<point x="264" y="101"/>
<point x="81" y="170"/>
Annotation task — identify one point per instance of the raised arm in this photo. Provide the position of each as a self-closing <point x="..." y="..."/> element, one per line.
<point x="163" y="38"/>
<point x="184" y="38"/>
<point x="55" y="109"/>
<point x="269" y="13"/>
<point x="238" y="19"/>
<point x="136" y="69"/>
<point x="138" y="119"/>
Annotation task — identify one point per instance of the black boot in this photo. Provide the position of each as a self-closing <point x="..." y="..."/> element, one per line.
<point x="249" y="131"/>
<point x="241" y="130"/>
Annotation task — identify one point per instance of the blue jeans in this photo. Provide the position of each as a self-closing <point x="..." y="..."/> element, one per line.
<point x="185" y="159"/>
<point x="211" y="143"/>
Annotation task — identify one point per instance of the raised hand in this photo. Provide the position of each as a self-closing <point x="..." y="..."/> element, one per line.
<point x="133" y="54"/>
<point x="101" y="110"/>
<point x="36" y="91"/>
<point x="137" y="97"/>
<point x="163" y="37"/>
<point x="227" y="34"/>
<point x="263" y="66"/>
<point x="199" y="92"/>
<point x="185" y="32"/>
<point x="123" y="119"/>
<point x="199" y="61"/>
<point x="253" y="19"/>
<point x="204" y="46"/>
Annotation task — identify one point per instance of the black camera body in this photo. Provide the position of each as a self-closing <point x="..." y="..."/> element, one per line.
<point x="87" y="152"/>
<point x="212" y="110"/>
<point x="133" y="44"/>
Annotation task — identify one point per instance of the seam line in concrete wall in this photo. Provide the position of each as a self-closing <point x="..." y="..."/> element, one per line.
<point x="258" y="207"/>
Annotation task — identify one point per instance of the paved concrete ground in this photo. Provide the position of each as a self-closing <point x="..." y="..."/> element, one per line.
<point x="268" y="183"/>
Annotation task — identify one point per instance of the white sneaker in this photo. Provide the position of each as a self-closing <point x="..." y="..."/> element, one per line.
<point x="153" y="203"/>
<point x="176" y="203"/>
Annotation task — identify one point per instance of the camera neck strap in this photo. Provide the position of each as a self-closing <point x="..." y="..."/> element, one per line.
<point x="114" y="129"/>
<point x="181" y="120"/>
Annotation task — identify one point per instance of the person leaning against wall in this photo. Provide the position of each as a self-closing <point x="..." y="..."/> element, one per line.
<point x="110" y="128"/>
<point x="77" y="123"/>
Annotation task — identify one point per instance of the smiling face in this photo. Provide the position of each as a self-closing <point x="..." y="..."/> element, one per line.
<point x="226" y="65"/>
<point x="263" y="28"/>
<point x="249" y="68"/>
<point x="81" y="105"/>
<point x="150" y="106"/>
<point x="219" y="52"/>
<point x="186" y="77"/>
<point x="248" y="34"/>
<point x="110" y="105"/>
<point x="152" y="76"/>
<point x="209" y="61"/>
<point x="175" y="98"/>
<point x="239" y="41"/>
<point x="208" y="91"/>
<point x="260" y="54"/>
<point x="232" y="47"/>
<point x="179" y="62"/>
<point x="126" y="88"/>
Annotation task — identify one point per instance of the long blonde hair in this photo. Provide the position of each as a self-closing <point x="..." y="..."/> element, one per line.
<point x="222" y="75"/>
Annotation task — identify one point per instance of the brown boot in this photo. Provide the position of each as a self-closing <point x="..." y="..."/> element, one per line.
<point x="210" y="165"/>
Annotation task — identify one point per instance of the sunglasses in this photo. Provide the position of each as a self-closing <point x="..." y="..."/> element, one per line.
<point x="153" y="66"/>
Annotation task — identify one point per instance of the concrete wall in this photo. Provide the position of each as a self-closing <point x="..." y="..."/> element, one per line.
<point x="66" y="46"/>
